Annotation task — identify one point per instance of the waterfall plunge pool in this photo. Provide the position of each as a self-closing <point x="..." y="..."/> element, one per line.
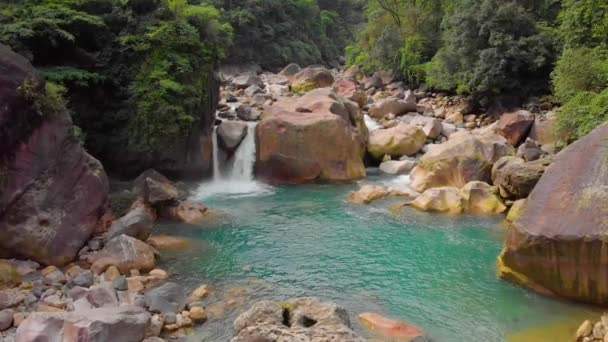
<point x="435" y="271"/>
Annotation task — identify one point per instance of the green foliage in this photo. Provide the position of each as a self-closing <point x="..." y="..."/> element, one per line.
<point x="584" y="22"/>
<point x="580" y="78"/>
<point x="278" y="32"/>
<point x="494" y="47"/>
<point x="581" y="114"/>
<point x="73" y="76"/>
<point x="45" y="28"/>
<point x="47" y="101"/>
<point x="170" y="89"/>
<point x="580" y="70"/>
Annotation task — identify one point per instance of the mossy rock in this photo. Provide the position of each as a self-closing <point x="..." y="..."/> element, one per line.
<point x="304" y="87"/>
<point x="9" y="277"/>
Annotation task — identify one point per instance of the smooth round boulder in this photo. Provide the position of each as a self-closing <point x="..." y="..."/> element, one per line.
<point x="481" y="199"/>
<point x="401" y="140"/>
<point x="398" y="167"/>
<point x="463" y="158"/>
<point x="290" y="70"/>
<point x="556" y="245"/>
<point x="246" y="81"/>
<point x="311" y="78"/>
<point x="230" y="134"/>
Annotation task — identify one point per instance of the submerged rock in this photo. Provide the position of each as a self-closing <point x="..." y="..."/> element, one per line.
<point x="557" y="244"/>
<point x="187" y="212"/>
<point x="301" y="319"/>
<point x="391" y="328"/>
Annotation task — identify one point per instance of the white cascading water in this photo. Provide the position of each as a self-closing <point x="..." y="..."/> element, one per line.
<point x="371" y="123"/>
<point x="238" y="180"/>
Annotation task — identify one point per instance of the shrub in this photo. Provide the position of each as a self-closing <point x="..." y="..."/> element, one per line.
<point x="581" y="114"/>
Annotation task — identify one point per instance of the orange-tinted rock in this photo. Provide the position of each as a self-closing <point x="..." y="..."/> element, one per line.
<point x="166" y="242"/>
<point x="515" y="126"/>
<point x="367" y="194"/>
<point x="319" y="136"/>
<point x="351" y="91"/>
<point x="542" y="130"/>
<point x="465" y="157"/>
<point x="126" y="253"/>
<point x="557" y="244"/>
<point x="401" y="140"/>
<point x="186" y="212"/>
<point x="390" y="328"/>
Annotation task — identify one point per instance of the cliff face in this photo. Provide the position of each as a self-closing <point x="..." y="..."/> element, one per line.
<point x="52" y="193"/>
<point x="558" y="244"/>
<point x="190" y="157"/>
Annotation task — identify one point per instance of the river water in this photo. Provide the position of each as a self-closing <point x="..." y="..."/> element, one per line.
<point x="435" y="271"/>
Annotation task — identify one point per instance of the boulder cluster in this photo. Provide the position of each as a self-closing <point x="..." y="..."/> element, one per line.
<point x="114" y="287"/>
<point x="460" y="159"/>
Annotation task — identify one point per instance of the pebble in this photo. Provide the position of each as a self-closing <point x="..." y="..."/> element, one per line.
<point x="201" y="292"/>
<point x="121" y="283"/>
<point x="6" y="319"/>
<point x="158" y="274"/>
<point x="156" y="326"/>
<point x="170" y="318"/>
<point x="111" y="273"/>
<point x="53" y="276"/>
<point x="198" y="314"/>
<point x="84" y="279"/>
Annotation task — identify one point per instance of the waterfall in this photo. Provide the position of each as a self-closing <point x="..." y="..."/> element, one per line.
<point x="244" y="157"/>
<point x="371" y="123"/>
<point x="237" y="180"/>
<point x="216" y="156"/>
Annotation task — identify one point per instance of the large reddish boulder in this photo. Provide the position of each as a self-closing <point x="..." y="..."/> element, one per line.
<point x="52" y="193"/>
<point x="319" y="136"/>
<point x="465" y="157"/>
<point x="557" y="245"/>
<point x="515" y="126"/>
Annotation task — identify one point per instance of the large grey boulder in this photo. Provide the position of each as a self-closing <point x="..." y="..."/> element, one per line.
<point x="246" y="81"/>
<point x="167" y="298"/>
<point x="301" y="319"/>
<point x="230" y="134"/>
<point x="120" y="324"/>
<point x="124" y="252"/>
<point x="137" y="223"/>
<point x="247" y="113"/>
